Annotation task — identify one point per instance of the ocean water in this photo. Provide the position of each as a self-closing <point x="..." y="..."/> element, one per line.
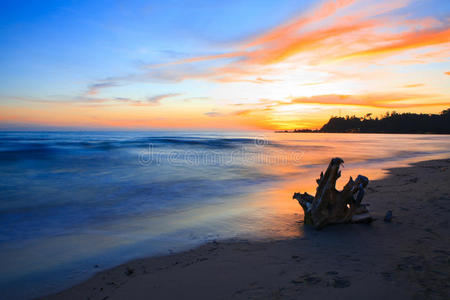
<point x="75" y="203"/>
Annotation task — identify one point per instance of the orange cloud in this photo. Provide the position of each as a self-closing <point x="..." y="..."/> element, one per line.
<point x="286" y="48"/>
<point x="290" y="28"/>
<point x="275" y="42"/>
<point x="312" y="112"/>
<point x="380" y="100"/>
<point x="156" y="99"/>
<point x="330" y="32"/>
<point x="389" y="100"/>
<point x="406" y="41"/>
<point x="244" y="112"/>
<point x="413" y="85"/>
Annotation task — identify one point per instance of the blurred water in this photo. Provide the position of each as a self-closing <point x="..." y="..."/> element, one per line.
<point x="72" y="200"/>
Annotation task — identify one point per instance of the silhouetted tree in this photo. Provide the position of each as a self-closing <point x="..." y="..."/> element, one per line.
<point x="392" y="123"/>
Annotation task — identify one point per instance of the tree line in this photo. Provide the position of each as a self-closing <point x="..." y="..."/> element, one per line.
<point x="389" y="123"/>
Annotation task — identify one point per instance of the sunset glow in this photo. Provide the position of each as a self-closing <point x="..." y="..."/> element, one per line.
<point x="234" y="65"/>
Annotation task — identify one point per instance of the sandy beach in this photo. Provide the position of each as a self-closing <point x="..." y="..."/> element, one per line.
<point x="407" y="258"/>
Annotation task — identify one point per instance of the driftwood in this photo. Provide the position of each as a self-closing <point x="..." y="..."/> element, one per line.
<point x="330" y="206"/>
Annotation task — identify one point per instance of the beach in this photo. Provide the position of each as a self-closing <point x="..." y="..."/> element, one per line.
<point x="406" y="258"/>
<point x="156" y="150"/>
<point x="79" y="203"/>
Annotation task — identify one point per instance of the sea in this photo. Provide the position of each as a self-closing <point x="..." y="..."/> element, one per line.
<point x="75" y="203"/>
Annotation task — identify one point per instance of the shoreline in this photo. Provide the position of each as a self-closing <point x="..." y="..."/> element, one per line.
<point x="406" y="258"/>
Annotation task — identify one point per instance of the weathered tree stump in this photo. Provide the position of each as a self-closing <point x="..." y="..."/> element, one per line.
<point x="330" y="206"/>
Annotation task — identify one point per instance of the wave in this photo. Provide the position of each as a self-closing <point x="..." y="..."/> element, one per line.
<point x="20" y="146"/>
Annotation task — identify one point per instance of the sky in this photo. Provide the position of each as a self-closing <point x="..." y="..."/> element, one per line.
<point x="225" y="65"/>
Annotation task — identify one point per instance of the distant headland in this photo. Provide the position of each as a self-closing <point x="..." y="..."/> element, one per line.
<point x="389" y="123"/>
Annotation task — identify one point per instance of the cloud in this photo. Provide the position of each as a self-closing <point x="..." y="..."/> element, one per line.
<point x="93" y="89"/>
<point x="413" y="85"/>
<point x="282" y="32"/>
<point x="189" y="99"/>
<point x="167" y="74"/>
<point x="378" y="100"/>
<point x="197" y="59"/>
<point x="290" y="28"/>
<point x="267" y="47"/>
<point x="244" y="112"/>
<point x="213" y="114"/>
<point x="157" y="99"/>
<point x="373" y="100"/>
<point x="312" y="83"/>
<point x="311" y="111"/>
<point x="60" y="100"/>
<point x="123" y="99"/>
<point x="83" y="100"/>
<point x="405" y="41"/>
<point x="128" y="101"/>
<point x="331" y="31"/>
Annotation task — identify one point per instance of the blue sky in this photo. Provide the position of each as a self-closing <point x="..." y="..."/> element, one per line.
<point x="53" y="47"/>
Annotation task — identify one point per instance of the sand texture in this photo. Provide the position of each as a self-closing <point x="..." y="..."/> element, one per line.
<point x="407" y="258"/>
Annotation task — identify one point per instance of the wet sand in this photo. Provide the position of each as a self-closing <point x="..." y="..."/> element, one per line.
<point x="407" y="258"/>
